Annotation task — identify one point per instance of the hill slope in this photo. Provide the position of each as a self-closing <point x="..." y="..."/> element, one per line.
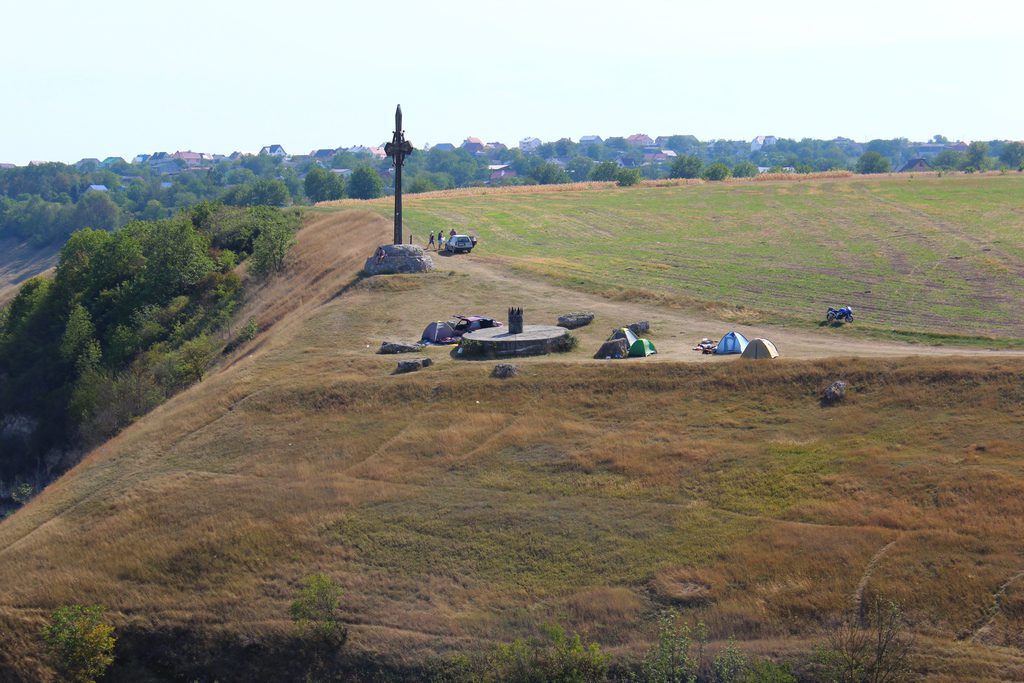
<point x="19" y="262"/>
<point x="457" y="510"/>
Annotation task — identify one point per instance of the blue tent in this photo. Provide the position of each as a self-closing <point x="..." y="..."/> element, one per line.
<point x="733" y="342"/>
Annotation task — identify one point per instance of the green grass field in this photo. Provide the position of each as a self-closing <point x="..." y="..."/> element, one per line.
<point x="920" y="258"/>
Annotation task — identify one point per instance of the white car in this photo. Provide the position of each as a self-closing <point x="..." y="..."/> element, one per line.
<point x="460" y="244"/>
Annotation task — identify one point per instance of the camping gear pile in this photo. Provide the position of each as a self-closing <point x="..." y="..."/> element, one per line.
<point x="625" y="344"/>
<point x="842" y="314"/>
<point x="451" y="331"/>
<point x="706" y="345"/>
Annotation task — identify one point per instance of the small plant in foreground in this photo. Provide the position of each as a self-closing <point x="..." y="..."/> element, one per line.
<point x="80" y="643"/>
<point x="670" y="659"/>
<point x="867" y="648"/>
<point x="316" y="611"/>
<point x="564" y="659"/>
<point x="22" y="492"/>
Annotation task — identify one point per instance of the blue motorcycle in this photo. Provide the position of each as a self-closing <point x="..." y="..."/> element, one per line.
<point x="844" y="314"/>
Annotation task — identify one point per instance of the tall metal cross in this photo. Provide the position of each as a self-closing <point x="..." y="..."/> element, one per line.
<point x="398" y="149"/>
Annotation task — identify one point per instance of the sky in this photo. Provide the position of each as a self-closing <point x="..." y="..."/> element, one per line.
<point x="124" y="77"/>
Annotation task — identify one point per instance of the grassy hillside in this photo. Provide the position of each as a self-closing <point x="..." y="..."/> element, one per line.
<point x="19" y="262"/>
<point x="918" y="257"/>
<point x="458" y="511"/>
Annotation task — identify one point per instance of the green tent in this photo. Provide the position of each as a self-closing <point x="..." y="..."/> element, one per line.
<point x="641" y="348"/>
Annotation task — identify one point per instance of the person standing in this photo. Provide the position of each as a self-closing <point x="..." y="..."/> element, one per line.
<point x="440" y="243"/>
<point x="431" y="242"/>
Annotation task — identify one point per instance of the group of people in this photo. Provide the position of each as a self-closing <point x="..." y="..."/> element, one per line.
<point x="439" y="245"/>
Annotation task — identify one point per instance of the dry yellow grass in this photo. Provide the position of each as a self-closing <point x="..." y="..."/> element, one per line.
<point x="457" y="510"/>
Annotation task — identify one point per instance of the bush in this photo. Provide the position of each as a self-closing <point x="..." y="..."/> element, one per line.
<point x="744" y="169"/>
<point x="567" y="343"/>
<point x="716" y="171"/>
<point x="685" y="167"/>
<point x="22" y="493"/>
<point x="604" y="171"/>
<point x="316" y="610"/>
<point x="867" y="648"/>
<point x="730" y="665"/>
<point x="627" y="176"/>
<point x="671" y="657"/>
<point x="767" y="671"/>
<point x="80" y="643"/>
<point x="562" y="660"/>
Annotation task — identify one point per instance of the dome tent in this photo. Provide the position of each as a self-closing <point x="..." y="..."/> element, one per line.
<point x="732" y="342"/>
<point x="439" y="332"/>
<point x="759" y="349"/>
<point x="641" y="348"/>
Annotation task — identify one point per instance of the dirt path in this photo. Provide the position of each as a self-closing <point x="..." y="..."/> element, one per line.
<point x="675" y="331"/>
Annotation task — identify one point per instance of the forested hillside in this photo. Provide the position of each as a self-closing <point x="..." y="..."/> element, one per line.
<point x="129" y="318"/>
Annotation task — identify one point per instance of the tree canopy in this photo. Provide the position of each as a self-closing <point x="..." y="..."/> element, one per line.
<point x="365" y="184"/>
<point x="873" y="162"/>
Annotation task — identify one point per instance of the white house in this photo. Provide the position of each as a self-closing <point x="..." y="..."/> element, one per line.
<point x="274" y="150"/>
<point x="762" y="141"/>
<point x="530" y="144"/>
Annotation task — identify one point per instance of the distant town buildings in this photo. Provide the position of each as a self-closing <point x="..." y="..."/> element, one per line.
<point x="473" y="145"/>
<point x="639" y="140"/>
<point x="529" y="144"/>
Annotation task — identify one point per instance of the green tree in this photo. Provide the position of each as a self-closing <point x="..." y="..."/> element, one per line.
<point x="365" y="184"/>
<point x="977" y="155"/>
<point x="78" y="345"/>
<point x="949" y="159"/>
<point x="1012" y="154"/>
<point x="547" y="173"/>
<point x="81" y="644"/>
<point x="744" y="169"/>
<point x="269" y="193"/>
<point x="96" y="210"/>
<point x="316" y="612"/>
<point x="604" y="171"/>
<point x="685" y="166"/>
<point x="321" y="185"/>
<point x="270" y="247"/>
<point x="579" y="168"/>
<point x="873" y="162"/>
<point x="716" y="171"/>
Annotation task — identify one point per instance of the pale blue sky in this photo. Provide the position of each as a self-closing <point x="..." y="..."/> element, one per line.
<point x="121" y="77"/>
